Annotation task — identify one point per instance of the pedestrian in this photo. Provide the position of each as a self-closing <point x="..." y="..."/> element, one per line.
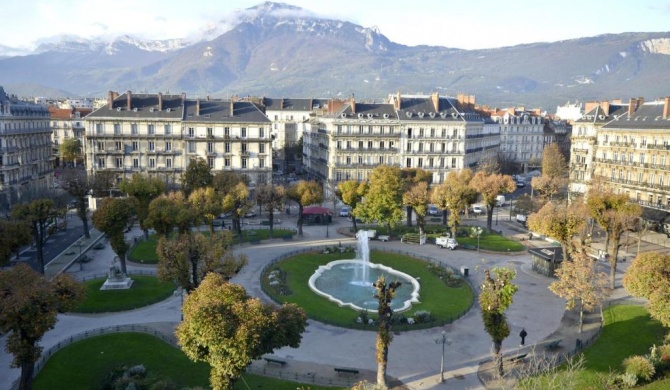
<point x="523" y="335"/>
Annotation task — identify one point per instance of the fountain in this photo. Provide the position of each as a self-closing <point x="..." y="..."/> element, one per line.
<point x="349" y="282"/>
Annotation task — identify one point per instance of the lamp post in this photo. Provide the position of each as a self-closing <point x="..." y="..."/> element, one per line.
<point x="81" y="263"/>
<point x="444" y="340"/>
<point x="478" y="232"/>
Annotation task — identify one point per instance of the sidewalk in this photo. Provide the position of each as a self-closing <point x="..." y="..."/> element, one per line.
<point x="71" y="255"/>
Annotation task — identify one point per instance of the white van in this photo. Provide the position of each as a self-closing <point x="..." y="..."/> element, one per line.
<point x="500" y="200"/>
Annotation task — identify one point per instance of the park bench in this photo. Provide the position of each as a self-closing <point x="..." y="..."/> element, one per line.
<point x="517" y="358"/>
<point x="344" y="370"/>
<point x="275" y="361"/>
<point x="384" y="238"/>
<point x="553" y="345"/>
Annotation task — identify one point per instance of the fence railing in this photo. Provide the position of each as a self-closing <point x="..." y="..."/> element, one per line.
<point x="101" y="275"/>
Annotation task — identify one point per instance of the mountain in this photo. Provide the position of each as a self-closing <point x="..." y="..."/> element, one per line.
<point x="280" y="50"/>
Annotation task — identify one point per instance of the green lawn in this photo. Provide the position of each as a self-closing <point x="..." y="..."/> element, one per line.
<point x="628" y="330"/>
<point x="444" y="303"/>
<point x="145" y="290"/>
<point x="84" y="364"/>
<point x="492" y="242"/>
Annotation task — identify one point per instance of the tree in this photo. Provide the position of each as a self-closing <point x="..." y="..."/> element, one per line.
<point x="304" y="193"/>
<point x="417" y="198"/>
<point x="452" y="195"/>
<point x="28" y="309"/>
<point x="143" y="189"/>
<point x="102" y="183"/>
<point x="580" y="284"/>
<point x="495" y="298"/>
<point x="351" y="193"/>
<point x="187" y="258"/>
<point x="554" y="173"/>
<point x="383" y="200"/>
<point x="198" y="174"/>
<point x="411" y="177"/>
<point x="13" y="235"/>
<point x="162" y="216"/>
<point x="207" y="204"/>
<point x="648" y="277"/>
<point x="77" y="184"/>
<point x="271" y="198"/>
<point x="236" y="201"/>
<point x="560" y="222"/>
<point x="615" y="215"/>
<point x="385" y="293"/>
<point x="38" y="214"/>
<point x="225" y="181"/>
<point x="226" y="328"/>
<point x="70" y="150"/>
<point x="112" y="218"/>
<point x="489" y="186"/>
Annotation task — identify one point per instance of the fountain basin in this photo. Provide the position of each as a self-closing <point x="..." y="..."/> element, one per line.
<point x="338" y="282"/>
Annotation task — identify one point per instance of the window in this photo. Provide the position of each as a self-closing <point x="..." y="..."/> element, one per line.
<point x="348" y="144"/>
<point x="152" y="163"/>
<point x="261" y="163"/>
<point x="360" y="129"/>
<point x="360" y="145"/>
<point x="210" y="162"/>
<point x="117" y="129"/>
<point x="261" y="147"/>
<point x="99" y="128"/>
<point x="348" y="160"/>
<point x="136" y="163"/>
<point x="369" y="129"/>
<point x="420" y="146"/>
<point x="432" y="133"/>
<point x="381" y="130"/>
<point x="339" y="129"/>
<point x="430" y="162"/>
<point x="152" y="146"/>
<point x="119" y="162"/>
<point x="641" y="158"/>
<point x="244" y="147"/>
<point x="441" y="162"/>
<point x="168" y="129"/>
<point x="226" y="162"/>
<point x="244" y="132"/>
<point x="117" y="145"/>
<point x="339" y="144"/>
<point x="420" y="163"/>
<point x="381" y="144"/>
<point x="261" y="133"/>
<point x="168" y="163"/>
<point x="453" y="162"/>
<point x="133" y="129"/>
<point x="136" y="145"/>
<point x="409" y="146"/>
<point x="408" y="163"/>
<point x="226" y="147"/>
<point x="151" y="129"/>
<point x="210" y="132"/>
<point x="168" y="146"/>
<point x="100" y="146"/>
<point x="191" y="132"/>
<point x="244" y="163"/>
<point x="210" y="147"/>
<point x="226" y="132"/>
<point x="421" y="134"/>
<point x="191" y="147"/>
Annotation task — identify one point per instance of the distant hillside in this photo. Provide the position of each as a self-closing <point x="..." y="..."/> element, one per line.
<point x="271" y="53"/>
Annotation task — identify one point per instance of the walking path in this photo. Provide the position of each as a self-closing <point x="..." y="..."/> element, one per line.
<point x="414" y="357"/>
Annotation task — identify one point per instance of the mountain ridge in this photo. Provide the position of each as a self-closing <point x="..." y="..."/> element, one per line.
<point x="281" y="50"/>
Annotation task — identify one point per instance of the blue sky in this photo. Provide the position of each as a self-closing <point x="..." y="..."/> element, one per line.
<point x="474" y="24"/>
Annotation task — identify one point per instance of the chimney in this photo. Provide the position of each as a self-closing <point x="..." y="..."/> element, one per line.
<point x="183" y="98"/>
<point x="666" y="107"/>
<point x="631" y="107"/>
<point x="640" y="102"/>
<point x="590" y="106"/>
<point x="207" y="97"/>
<point x="197" y="107"/>
<point x="129" y="100"/>
<point x="605" y="105"/>
<point x="353" y="104"/>
<point x="397" y="103"/>
<point x="160" y="101"/>
<point x="617" y="101"/>
<point x="435" y="97"/>
<point x="110" y="100"/>
<point x="471" y="102"/>
<point x="232" y="107"/>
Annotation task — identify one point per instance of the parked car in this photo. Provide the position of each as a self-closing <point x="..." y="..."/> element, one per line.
<point x="521" y="219"/>
<point x="345" y="211"/>
<point x="250" y="214"/>
<point x="433" y="210"/>
<point x="500" y="200"/>
<point x="520" y="184"/>
<point x="446" y="242"/>
<point x="477" y="209"/>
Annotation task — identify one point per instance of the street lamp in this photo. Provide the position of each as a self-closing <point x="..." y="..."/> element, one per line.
<point x="80" y="243"/>
<point x="444" y="340"/>
<point x="478" y="231"/>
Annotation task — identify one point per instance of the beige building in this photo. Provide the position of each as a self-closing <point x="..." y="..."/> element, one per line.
<point x="522" y="137"/>
<point x="26" y="153"/>
<point x="67" y="123"/>
<point x="438" y="134"/>
<point x="628" y="150"/>
<point x="160" y="134"/>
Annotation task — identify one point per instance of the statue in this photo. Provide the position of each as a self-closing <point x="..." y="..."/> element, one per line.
<point x="115" y="270"/>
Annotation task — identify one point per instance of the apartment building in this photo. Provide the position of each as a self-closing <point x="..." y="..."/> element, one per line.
<point x="627" y="148"/>
<point x="67" y="123"/>
<point x="160" y="134"/>
<point x="26" y="154"/>
<point x="521" y="136"/>
<point x="434" y="133"/>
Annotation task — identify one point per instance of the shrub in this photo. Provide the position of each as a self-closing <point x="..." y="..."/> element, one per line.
<point x="422" y="316"/>
<point x="639" y="366"/>
<point x="628" y="379"/>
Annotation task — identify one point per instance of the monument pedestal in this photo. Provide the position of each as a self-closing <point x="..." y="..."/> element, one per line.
<point x="117" y="284"/>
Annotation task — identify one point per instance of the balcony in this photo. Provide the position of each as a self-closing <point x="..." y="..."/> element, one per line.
<point x="651" y="205"/>
<point x="369" y="135"/>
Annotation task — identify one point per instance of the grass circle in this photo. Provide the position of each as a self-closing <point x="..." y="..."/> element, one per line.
<point x="146" y="290"/>
<point x="445" y="303"/>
